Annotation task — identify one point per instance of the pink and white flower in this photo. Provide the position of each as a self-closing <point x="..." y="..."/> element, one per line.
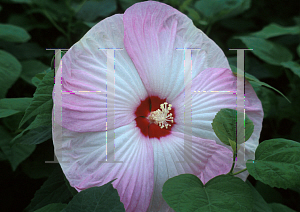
<point x="148" y="73"/>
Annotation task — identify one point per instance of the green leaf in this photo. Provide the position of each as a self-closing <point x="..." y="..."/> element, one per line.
<point x="268" y="193"/>
<point x="224" y="125"/>
<point x="39" y="77"/>
<point x="40" y="130"/>
<point x="11" y="106"/>
<point x="72" y="190"/>
<point x="104" y="198"/>
<point x="54" y="190"/>
<point x="34" y="136"/>
<point x="54" y="207"/>
<point x="10" y="69"/>
<point x="223" y="193"/>
<point x="30" y="68"/>
<point x="42" y="102"/>
<point x="277" y="163"/>
<point x="268" y="100"/>
<point x="273" y="30"/>
<point x="127" y="3"/>
<point x="254" y="81"/>
<point x="94" y="9"/>
<point x="259" y="204"/>
<point x="298" y="50"/>
<point x="277" y="207"/>
<point x="15" y="153"/>
<point x="28" y="23"/>
<point x="293" y="66"/>
<point x="13" y="33"/>
<point x="215" y="10"/>
<point x="234" y="146"/>
<point x="22" y="1"/>
<point x="268" y="51"/>
<point x="21" y="50"/>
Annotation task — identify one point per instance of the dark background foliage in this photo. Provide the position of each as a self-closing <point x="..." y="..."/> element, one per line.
<point x="61" y="23"/>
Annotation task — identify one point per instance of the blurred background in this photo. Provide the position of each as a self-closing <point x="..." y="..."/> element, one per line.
<point x="29" y="27"/>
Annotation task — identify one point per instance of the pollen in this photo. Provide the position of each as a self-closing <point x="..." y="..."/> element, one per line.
<point x="161" y="117"/>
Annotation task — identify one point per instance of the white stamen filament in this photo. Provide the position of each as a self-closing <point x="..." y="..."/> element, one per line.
<point x="161" y="117"/>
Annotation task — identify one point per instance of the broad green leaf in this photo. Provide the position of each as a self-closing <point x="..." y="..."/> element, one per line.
<point x="254" y="81"/>
<point x="104" y="198"/>
<point x="268" y="100"/>
<point x="12" y="122"/>
<point x="298" y="50"/>
<point x="277" y="207"/>
<point x="277" y="163"/>
<point x="10" y="69"/>
<point x="35" y="136"/>
<point x="72" y="190"/>
<point x="259" y="204"/>
<point x="11" y="106"/>
<point x="13" y="33"/>
<point x="54" y="207"/>
<point x="30" y="68"/>
<point x="293" y="66"/>
<point x="42" y="98"/>
<point x="39" y="77"/>
<point x="186" y="192"/>
<point x="40" y="130"/>
<point x="268" y="51"/>
<point x="215" y="10"/>
<point x="273" y="30"/>
<point x="94" y="9"/>
<point x="54" y="190"/>
<point x="15" y="153"/>
<point x="224" y="125"/>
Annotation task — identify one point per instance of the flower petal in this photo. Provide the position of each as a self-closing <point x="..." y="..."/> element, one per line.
<point x="82" y="158"/>
<point x="152" y="32"/>
<point x="84" y="68"/>
<point x="206" y="105"/>
<point x="209" y="160"/>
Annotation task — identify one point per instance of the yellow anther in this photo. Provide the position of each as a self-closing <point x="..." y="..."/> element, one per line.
<point x="161" y="117"/>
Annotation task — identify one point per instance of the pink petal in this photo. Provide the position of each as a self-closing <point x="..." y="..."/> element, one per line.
<point x="84" y="69"/>
<point x="206" y="105"/>
<point x="209" y="160"/>
<point x="80" y="156"/>
<point x="153" y="31"/>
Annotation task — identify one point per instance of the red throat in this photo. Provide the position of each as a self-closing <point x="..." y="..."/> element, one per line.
<point x="142" y="112"/>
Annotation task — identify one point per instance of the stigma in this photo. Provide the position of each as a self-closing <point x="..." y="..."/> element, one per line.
<point x="161" y="117"/>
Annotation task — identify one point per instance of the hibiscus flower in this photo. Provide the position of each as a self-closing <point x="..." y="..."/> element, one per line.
<point x="149" y="96"/>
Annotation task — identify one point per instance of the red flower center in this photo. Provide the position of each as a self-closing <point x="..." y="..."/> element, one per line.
<point x="146" y="124"/>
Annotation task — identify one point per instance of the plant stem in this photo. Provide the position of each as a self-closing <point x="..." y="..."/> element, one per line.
<point x="233" y="162"/>
<point x="239" y="171"/>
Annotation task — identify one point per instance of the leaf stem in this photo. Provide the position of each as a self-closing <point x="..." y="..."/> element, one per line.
<point x="239" y="171"/>
<point x="233" y="162"/>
